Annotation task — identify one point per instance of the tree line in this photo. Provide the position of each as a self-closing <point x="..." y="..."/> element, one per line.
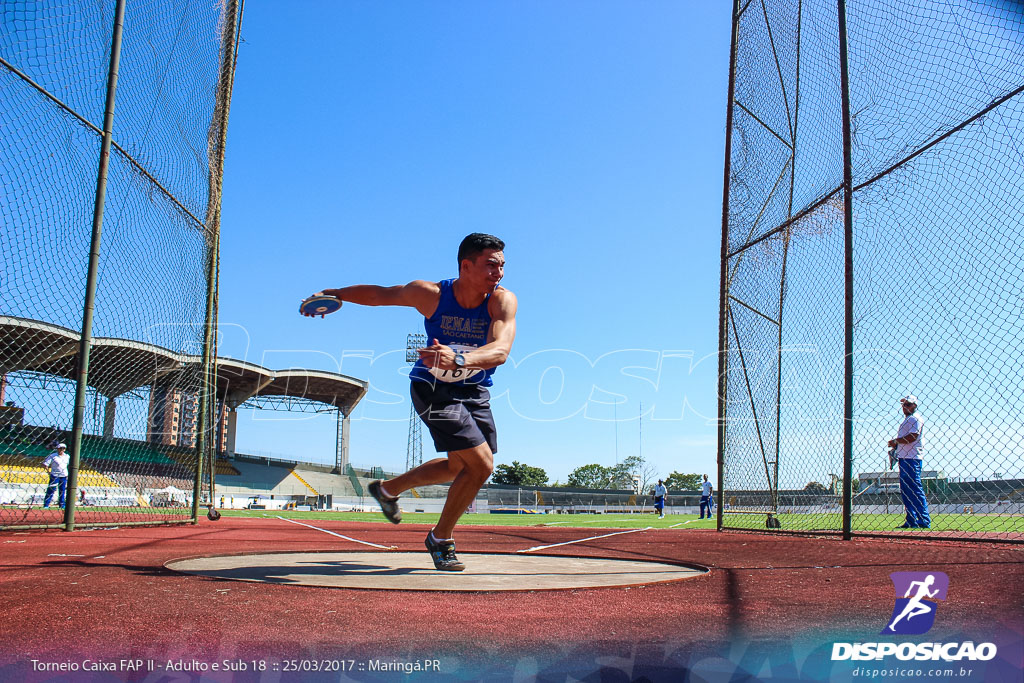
<point x="633" y="473"/>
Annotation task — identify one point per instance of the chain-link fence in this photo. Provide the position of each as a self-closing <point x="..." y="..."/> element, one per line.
<point x="112" y="123"/>
<point x="872" y="240"/>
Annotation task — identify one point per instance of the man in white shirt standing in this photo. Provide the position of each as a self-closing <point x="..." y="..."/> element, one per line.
<point x="706" y="500"/>
<point x="660" y="492"/>
<point x="58" y="462"/>
<point x="909" y="450"/>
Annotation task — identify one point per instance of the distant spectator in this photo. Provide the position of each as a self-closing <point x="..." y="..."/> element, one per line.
<point x="58" y="462"/>
<point x="660" y="492"/>
<point x="909" y="449"/>
<point x="707" y="500"/>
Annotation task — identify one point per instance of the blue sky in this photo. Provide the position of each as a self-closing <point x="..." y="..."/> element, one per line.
<point x="366" y="139"/>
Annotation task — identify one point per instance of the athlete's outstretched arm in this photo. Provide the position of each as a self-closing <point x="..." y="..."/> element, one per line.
<point x="910" y="588"/>
<point x="418" y="294"/>
<point x="502" y="333"/>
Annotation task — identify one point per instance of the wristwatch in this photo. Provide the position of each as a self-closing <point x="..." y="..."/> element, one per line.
<point x="460" y="360"/>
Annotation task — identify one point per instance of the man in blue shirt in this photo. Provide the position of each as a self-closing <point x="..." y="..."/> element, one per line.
<point x="471" y="322"/>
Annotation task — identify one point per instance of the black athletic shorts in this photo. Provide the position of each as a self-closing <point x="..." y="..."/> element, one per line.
<point x="457" y="415"/>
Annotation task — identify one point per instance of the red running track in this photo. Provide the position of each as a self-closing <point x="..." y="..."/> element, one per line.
<point x="106" y="593"/>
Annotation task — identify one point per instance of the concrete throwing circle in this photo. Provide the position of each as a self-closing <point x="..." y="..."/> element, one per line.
<point x="415" y="572"/>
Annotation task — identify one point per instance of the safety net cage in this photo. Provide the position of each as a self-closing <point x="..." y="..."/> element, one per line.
<point x="872" y="250"/>
<point x="112" y="123"/>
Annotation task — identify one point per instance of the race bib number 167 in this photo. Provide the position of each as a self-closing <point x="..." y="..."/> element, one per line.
<point x="456" y="374"/>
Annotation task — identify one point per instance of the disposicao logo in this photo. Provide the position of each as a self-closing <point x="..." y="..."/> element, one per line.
<point x="917" y="594"/>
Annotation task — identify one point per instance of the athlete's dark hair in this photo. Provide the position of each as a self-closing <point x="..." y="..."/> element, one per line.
<point x="474" y="245"/>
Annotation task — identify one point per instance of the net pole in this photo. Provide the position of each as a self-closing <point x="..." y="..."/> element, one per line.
<point x="216" y="405"/>
<point x="88" y="308"/>
<point x="217" y="139"/>
<point x="786" y="235"/>
<point x="844" y="78"/>
<point x="723" y="285"/>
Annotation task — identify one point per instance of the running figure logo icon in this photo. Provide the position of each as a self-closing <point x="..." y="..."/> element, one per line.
<point x="916" y="595"/>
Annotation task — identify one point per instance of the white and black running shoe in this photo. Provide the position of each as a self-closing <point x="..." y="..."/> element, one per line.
<point x="389" y="506"/>
<point x="443" y="555"/>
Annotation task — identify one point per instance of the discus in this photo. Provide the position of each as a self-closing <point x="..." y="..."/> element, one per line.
<point x="319" y="306"/>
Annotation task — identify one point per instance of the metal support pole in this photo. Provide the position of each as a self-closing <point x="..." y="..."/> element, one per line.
<point x="339" y="461"/>
<point x="844" y="78"/>
<point x="201" y="422"/>
<point x="232" y="420"/>
<point x="786" y="238"/>
<point x="723" y="285"/>
<point x="85" y="345"/>
<point x="109" y="418"/>
<point x="208" y="389"/>
<point x="414" y="444"/>
<point x="214" y="448"/>
<point x="344" y="426"/>
<point x="778" y="386"/>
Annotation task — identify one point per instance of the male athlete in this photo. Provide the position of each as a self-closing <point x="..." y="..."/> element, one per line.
<point x="471" y="323"/>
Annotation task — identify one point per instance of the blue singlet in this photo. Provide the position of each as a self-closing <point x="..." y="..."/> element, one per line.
<point x="463" y="329"/>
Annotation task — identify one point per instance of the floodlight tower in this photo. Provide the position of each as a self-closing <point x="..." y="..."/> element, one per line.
<point x="414" y="447"/>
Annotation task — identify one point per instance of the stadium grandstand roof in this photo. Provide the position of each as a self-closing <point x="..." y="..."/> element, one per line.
<point x="120" y="365"/>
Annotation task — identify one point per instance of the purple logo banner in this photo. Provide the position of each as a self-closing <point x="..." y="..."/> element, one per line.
<point x="917" y="596"/>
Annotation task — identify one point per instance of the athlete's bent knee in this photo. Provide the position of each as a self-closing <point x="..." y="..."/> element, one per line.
<point x="477" y="461"/>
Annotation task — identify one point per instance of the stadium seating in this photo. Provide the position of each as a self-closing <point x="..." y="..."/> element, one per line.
<point x="114" y="472"/>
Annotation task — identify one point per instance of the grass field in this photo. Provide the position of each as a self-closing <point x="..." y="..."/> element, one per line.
<point x="963" y="523"/>
<point x="583" y="521"/>
<point x="942" y="523"/>
<point x="890" y="522"/>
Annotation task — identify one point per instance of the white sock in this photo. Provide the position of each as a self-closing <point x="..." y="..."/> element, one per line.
<point x="439" y="540"/>
<point x="384" y="492"/>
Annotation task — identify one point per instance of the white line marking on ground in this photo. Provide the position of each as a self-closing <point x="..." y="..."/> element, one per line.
<point x="682" y="523"/>
<point x="595" y="521"/>
<point x="63" y="555"/>
<point x="354" y="540"/>
<point x="581" y="540"/>
<point x="605" y="521"/>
